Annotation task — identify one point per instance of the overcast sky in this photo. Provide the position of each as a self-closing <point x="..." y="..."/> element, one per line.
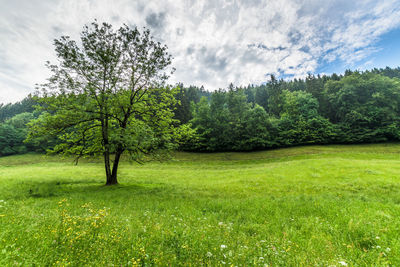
<point x="213" y="42"/>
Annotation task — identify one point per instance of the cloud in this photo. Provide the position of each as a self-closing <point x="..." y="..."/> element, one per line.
<point x="213" y="42"/>
<point x="156" y="21"/>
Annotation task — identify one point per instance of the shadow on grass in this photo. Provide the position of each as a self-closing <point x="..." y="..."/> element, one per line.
<point x="64" y="188"/>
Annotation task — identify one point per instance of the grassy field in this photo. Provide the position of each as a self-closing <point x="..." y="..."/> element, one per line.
<point x="303" y="206"/>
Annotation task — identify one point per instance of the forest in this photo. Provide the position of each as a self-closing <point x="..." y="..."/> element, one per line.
<point x="357" y="107"/>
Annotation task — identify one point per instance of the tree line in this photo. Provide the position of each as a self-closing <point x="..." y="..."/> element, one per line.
<point x="357" y="107"/>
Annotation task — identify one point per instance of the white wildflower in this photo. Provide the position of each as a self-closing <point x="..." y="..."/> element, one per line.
<point x="223" y="246"/>
<point x="343" y="263"/>
<point x="220" y="223"/>
<point x="388" y="249"/>
<point x="378" y="246"/>
<point x="209" y="254"/>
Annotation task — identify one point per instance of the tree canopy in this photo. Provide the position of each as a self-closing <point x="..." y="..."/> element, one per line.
<point x="107" y="96"/>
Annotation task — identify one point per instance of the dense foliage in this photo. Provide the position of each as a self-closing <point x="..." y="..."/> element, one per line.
<point x="9" y="110"/>
<point x="13" y="128"/>
<point x="356" y="107"/>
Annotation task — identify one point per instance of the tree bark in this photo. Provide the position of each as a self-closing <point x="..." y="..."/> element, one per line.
<point x="110" y="180"/>
<point x="113" y="177"/>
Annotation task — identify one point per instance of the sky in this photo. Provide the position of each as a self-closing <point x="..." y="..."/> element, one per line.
<point x="214" y="43"/>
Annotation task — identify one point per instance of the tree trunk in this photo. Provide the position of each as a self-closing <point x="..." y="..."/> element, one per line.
<point x="113" y="177"/>
<point x="110" y="180"/>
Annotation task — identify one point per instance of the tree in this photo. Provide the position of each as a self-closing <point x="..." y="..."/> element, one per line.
<point x="249" y="92"/>
<point x="237" y="110"/>
<point x="301" y="123"/>
<point x="366" y="106"/>
<point x="11" y="140"/>
<point x="274" y="92"/>
<point x="202" y="123"/>
<point x="182" y="111"/>
<point x="107" y="96"/>
<point x="9" y="110"/>
<point x="220" y="124"/>
<point x="13" y="133"/>
<point x="257" y="132"/>
<point x="261" y="97"/>
<point x="315" y="86"/>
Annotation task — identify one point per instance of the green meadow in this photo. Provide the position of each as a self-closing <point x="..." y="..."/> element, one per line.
<point x="303" y="206"/>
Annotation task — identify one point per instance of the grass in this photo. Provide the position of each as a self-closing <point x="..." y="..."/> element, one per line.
<point x="302" y="206"/>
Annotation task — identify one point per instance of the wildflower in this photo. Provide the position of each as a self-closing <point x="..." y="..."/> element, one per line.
<point x="388" y="249"/>
<point x="378" y="246"/>
<point x="220" y="223"/>
<point x="261" y="258"/>
<point x="223" y="246"/>
<point x="377" y="237"/>
<point x="343" y="263"/>
<point x="209" y="254"/>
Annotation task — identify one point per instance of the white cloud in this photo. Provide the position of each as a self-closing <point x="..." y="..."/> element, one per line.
<point x="213" y="42"/>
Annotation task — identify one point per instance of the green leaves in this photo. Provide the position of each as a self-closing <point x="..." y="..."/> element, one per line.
<point x="357" y="107"/>
<point x="106" y="95"/>
<point x="366" y="105"/>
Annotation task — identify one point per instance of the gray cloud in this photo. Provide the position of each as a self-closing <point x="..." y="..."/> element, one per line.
<point x="210" y="59"/>
<point x="213" y="42"/>
<point x="156" y="20"/>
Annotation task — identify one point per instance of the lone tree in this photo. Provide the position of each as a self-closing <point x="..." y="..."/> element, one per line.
<point x="107" y="96"/>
